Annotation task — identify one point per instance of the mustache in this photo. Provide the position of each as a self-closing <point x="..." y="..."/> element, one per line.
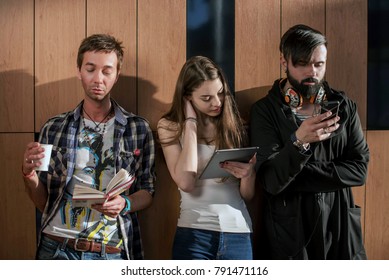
<point x="310" y="80"/>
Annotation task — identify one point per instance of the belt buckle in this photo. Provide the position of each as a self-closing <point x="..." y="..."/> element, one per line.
<point x="85" y="249"/>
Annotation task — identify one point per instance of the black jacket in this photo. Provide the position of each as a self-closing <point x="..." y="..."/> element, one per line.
<point x="310" y="212"/>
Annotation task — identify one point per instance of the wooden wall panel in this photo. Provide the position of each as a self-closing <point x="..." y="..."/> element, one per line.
<point x="256" y="50"/>
<point x="347" y="60"/>
<point x="158" y="223"/>
<point x="41" y="38"/>
<point x="16" y="66"/>
<point x="377" y="197"/>
<point x="347" y="50"/>
<point x="161" y="53"/>
<point x="312" y="13"/>
<point x="252" y="46"/>
<point x="118" y="18"/>
<point x="17" y="217"/>
<point x="59" y="29"/>
<point x="256" y="68"/>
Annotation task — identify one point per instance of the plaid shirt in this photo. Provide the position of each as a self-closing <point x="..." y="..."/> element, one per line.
<point x="133" y="150"/>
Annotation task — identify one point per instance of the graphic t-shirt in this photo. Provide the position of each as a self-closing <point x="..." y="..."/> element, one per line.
<point x="95" y="167"/>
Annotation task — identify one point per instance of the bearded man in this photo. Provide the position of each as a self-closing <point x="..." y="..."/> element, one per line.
<point x="309" y="160"/>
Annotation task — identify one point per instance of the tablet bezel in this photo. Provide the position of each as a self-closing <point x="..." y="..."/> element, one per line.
<point x="213" y="170"/>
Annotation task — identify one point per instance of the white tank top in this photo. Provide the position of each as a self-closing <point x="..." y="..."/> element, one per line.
<point x="214" y="205"/>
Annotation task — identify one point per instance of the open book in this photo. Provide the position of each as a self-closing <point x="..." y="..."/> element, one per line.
<point x="84" y="196"/>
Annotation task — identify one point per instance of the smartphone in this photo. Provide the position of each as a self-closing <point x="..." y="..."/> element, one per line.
<point x="332" y="106"/>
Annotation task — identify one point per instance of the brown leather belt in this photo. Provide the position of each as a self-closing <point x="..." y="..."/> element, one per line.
<point x="84" y="245"/>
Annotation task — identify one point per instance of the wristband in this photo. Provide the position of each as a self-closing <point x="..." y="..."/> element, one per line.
<point x="126" y="208"/>
<point x="28" y="175"/>
<point x="191" y="119"/>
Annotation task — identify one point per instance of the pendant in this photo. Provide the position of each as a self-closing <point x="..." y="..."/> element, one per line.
<point x="97" y="129"/>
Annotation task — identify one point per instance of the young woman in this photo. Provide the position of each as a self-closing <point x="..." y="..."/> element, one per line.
<point x="214" y="222"/>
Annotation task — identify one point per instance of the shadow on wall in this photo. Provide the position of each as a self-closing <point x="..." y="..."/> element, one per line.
<point x="45" y="100"/>
<point x="161" y="217"/>
<point x="126" y="92"/>
<point x="16" y="108"/>
<point x="158" y="223"/>
<point x="247" y="97"/>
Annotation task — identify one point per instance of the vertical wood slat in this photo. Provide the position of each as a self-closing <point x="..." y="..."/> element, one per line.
<point x="118" y="18"/>
<point x="161" y="54"/>
<point x="256" y="50"/>
<point x="158" y="223"/>
<point x="347" y="50"/>
<point x="59" y="29"/>
<point x="16" y="66"/>
<point x="18" y="240"/>
<point x="256" y="68"/>
<point x="311" y="13"/>
<point x="377" y="197"/>
<point x="346" y="31"/>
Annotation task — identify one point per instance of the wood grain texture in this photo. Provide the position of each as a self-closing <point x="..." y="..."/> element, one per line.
<point x="59" y="29"/>
<point x="158" y="223"/>
<point x="162" y="52"/>
<point x="346" y="30"/>
<point x="312" y="13"/>
<point x="377" y="197"/>
<point x="256" y="50"/>
<point x="16" y="66"/>
<point x="17" y="211"/>
<point x="118" y="18"/>
<point x="41" y="38"/>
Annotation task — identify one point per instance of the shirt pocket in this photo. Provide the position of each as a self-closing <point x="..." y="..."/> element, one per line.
<point x="127" y="161"/>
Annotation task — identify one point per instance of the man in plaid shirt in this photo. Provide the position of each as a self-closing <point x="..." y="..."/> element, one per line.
<point x="90" y="145"/>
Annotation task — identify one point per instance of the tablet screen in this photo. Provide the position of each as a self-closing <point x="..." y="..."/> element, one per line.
<point x="213" y="169"/>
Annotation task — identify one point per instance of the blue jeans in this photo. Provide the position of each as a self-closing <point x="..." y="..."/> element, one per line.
<point x="198" y="244"/>
<point x="53" y="250"/>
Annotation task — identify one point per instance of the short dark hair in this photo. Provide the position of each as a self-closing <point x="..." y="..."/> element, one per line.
<point x="299" y="42"/>
<point x="100" y="43"/>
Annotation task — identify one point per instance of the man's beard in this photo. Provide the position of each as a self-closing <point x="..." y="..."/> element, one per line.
<point x="305" y="90"/>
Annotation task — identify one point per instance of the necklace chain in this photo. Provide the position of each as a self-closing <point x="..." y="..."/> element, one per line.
<point x="97" y="125"/>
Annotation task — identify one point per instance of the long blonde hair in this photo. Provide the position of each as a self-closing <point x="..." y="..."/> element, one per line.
<point x="230" y="132"/>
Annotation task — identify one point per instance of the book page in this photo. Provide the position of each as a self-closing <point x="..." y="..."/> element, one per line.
<point x="85" y="196"/>
<point x="86" y="191"/>
<point x="118" y="189"/>
<point x="121" y="176"/>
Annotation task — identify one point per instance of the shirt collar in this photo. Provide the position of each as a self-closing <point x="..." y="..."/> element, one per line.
<point x="120" y="115"/>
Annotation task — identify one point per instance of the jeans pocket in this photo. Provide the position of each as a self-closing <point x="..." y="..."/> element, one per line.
<point x="48" y="249"/>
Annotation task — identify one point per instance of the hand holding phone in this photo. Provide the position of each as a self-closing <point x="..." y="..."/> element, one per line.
<point x="332" y="106"/>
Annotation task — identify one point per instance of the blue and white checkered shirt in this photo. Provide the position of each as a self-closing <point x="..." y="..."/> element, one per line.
<point x="131" y="133"/>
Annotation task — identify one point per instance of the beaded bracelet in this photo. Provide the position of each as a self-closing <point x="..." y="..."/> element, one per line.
<point x="191" y="119"/>
<point x="127" y="208"/>
<point x="28" y="175"/>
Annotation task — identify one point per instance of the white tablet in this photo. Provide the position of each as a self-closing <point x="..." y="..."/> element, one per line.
<point x="213" y="169"/>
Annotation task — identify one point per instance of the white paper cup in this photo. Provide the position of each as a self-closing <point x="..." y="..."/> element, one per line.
<point x="46" y="160"/>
